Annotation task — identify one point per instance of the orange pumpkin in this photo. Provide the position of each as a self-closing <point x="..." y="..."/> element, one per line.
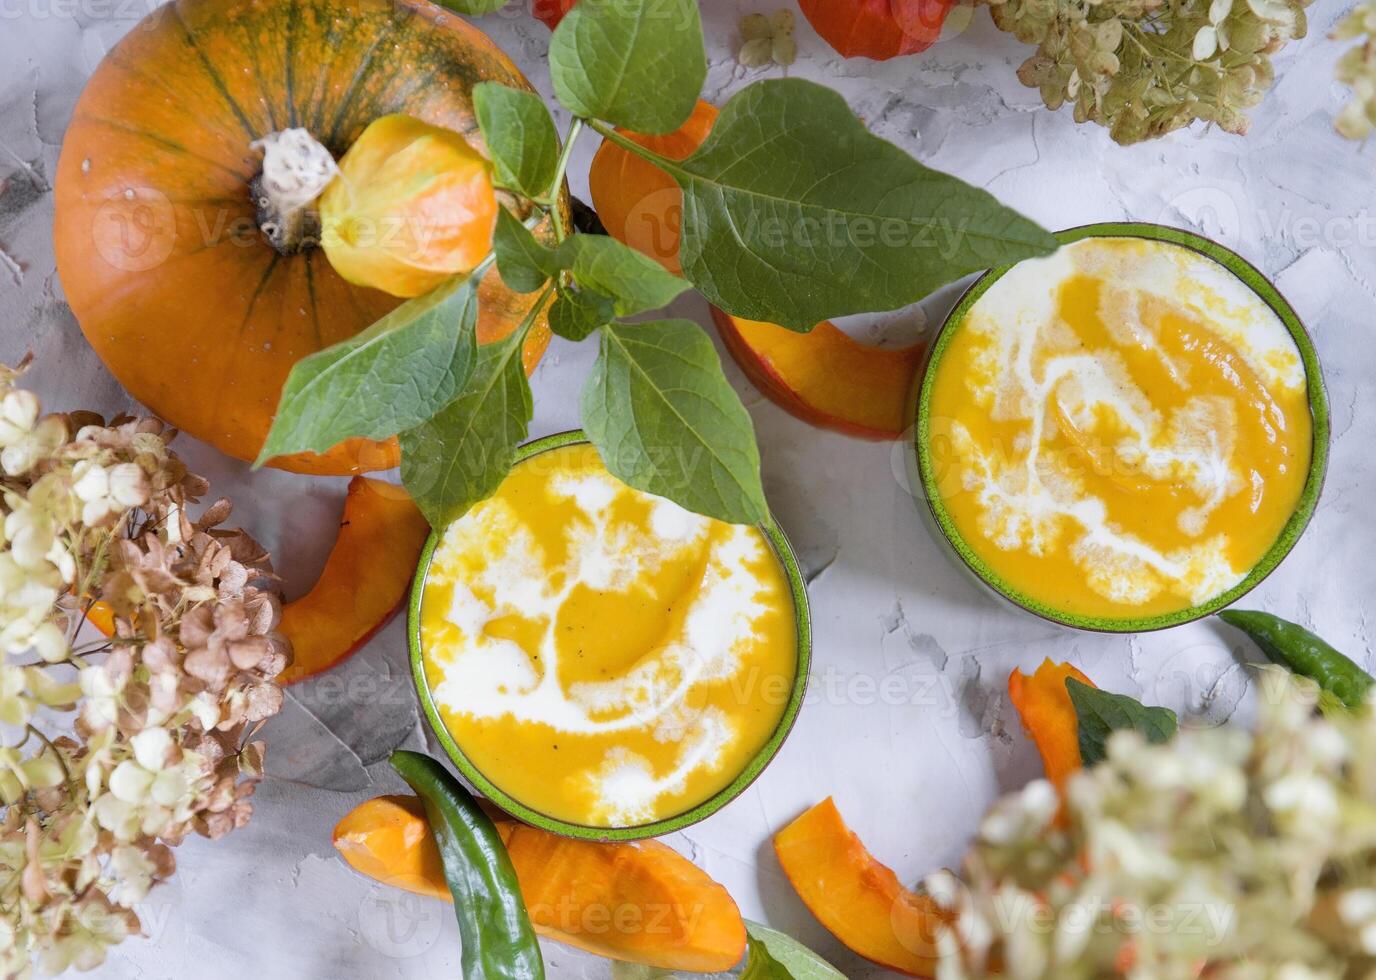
<point x="157" y="232"/>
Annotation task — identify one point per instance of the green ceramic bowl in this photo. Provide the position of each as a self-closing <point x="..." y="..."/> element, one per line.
<point x="802" y="617"/>
<point x="1318" y="404"/>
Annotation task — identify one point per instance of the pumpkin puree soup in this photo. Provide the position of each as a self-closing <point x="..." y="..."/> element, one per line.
<point x="602" y="655"/>
<point x="1120" y="430"/>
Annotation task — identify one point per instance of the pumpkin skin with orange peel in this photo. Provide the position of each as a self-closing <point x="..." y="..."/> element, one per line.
<point x="858" y="899"/>
<point x="365" y="581"/>
<point x="156" y="229"/>
<point x="639" y="902"/>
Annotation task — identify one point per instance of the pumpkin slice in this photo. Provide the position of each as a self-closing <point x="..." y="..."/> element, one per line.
<point x="1048" y="716"/>
<point x="365" y="579"/>
<point x="858" y="899"/>
<point x="639" y="902"/>
<point x="823" y="377"/>
<point x="826" y="377"/>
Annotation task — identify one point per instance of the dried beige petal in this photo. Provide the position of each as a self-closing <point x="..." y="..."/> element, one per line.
<point x="755" y="26"/>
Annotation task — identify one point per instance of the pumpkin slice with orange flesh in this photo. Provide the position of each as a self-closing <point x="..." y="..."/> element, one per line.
<point x="858" y="899"/>
<point x="824" y="377"/>
<point x="365" y="581"/>
<point x="1049" y="717"/>
<point x="637" y="902"/>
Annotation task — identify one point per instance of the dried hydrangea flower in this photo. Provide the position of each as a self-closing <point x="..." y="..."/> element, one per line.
<point x="1223" y="854"/>
<point x="768" y="40"/>
<point x="1144" y="68"/>
<point x="1357" y="69"/>
<point x="161" y="712"/>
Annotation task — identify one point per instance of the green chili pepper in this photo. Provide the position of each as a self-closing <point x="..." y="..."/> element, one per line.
<point x="498" y="941"/>
<point x="1294" y="647"/>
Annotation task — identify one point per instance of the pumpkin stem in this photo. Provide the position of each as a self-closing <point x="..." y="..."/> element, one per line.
<point x="296" y="170"/>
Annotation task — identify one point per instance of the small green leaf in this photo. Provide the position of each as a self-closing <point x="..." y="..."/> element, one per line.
<point x="1101" y="713"/>
<point x="636" y="282"/>
<point x="521" y="138"/>
<point x="775" y="956"/>
<point x="793" y="212"/>
<point x="461" y="456"/>
<point x="1295" y="648"/>
<point x="392" y="376"/>
<point x="474" y="8"/>
<point x="634" y="63"/>
<point x="760" y="964"/>
<point x="666" y="421"/>
<point x="578" y="312"/>
<point x="524" y="263"/>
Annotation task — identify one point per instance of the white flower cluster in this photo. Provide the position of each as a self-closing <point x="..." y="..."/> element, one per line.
<point x="1220" y="854"/>
<point x="94" y="527"/>
<point x="1357" y="69"/>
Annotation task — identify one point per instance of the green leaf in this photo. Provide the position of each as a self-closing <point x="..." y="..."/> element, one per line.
<point x="524" y="263"/>
<point x="666" y="421"/>
<point x="793" y="213"/>
<point x="578" y="312"/>
<point x="392" y="376"/>
<point x="1102" y="713"/>
<point x="474" y="8"/>
<point x="460" y="456"/>
<point x="521" y="138"/>
<point x="1301" y="652"/>
<point x="634" y="63"/>
<point x="775" y="956"/>
<point x="636" y="282"/>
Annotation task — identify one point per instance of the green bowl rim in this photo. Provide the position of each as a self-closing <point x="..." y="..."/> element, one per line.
<point x="766" y="754"/>
<point x="1318" y="407"/>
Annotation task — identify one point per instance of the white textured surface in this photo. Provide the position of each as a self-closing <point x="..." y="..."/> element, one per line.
<point x="908" y="725"/>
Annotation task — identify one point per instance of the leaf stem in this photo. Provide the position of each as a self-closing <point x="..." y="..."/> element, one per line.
<point x="67" y="773"/>
<point x="561" y="168"/>
<point x="631" y="146"/>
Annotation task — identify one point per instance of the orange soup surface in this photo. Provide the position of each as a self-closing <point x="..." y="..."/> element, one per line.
<point x="1121" y="430"/>
<point x="602" y="655"/>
